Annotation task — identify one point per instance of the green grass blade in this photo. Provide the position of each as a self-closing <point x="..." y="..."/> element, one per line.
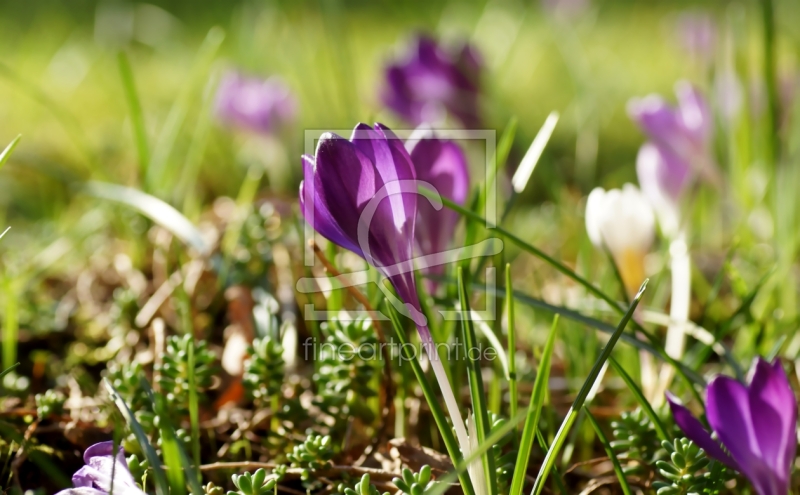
<point x="685" y="372"/>
<point x="623" y="481"/>
<point x="179" y="468"/>
<point x="179" y="111"/>
<point x="7" y="152"/>
<point x="433" y="402"/>
<point x="8" y="370"/>
<point x="499" y="160"/>
<point x="534" y="412"/>
<point x="184" y="305"/>
<point x="480" y="407"/>
<point x="10" y="321"/>
<point x="525" y="170"/>
<point x="560" y="267"/>
<point x="562" y="487"/>
<point x="645" y="405"/>
<point x="512" y="346"/>
<point x="155" y="209"/>
<point x="160" y="479"/>
<point x="135" y="108"/>
<point x="588" y="384"/>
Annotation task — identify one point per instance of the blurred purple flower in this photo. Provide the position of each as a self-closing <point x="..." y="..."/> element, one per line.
<point x="95" y="478"/>
<point x="259" y="105"/>
<point x="697" y="34"/>
<point x="756" y="423"/>
<point x="680" y="141"/>
<point x="433" y="81"/>
<point x="442" y="164"/>
<point x="685" y="129"/>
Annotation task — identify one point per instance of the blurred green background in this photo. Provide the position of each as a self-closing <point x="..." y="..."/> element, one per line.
<point x="60" y="85"/>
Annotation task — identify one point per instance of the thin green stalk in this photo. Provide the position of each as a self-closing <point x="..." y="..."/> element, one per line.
<point x="577" y="405"/>
<point x="135" y="108"/>
<point x="559" y="479"/>
<point x="562" y="268"/>
<point x="623" y="481"/>
<point x="433" y="402"/>
<point x="687" y="373"/>
<point x="160" y="479"/>
<point x="10" y="322"/>
<point x="7" y="151"/>
<point x="194" y="402"/>
<point x="534" y="412"/>
<point x="480" y="408"/>
<point x="8" y="370"/>
<point x="661" y="431"/>
<point x="157" y="167"/>
<point x="771" y="80"/>
<point x="512" y="346"/>
<point x="443" y="483"/>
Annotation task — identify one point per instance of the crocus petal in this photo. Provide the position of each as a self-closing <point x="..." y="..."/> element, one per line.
<point x="774" y="410"/>
<point x="322" y="221"/>
<point x="345" y="180"/>
<point x="695" y="432"/>
<point x="82" y="490"/>
<point x="695" y="114"/>
<point x="441" y="165"/>
<point x="729" y="414"/>
<point x="96" y="476"/>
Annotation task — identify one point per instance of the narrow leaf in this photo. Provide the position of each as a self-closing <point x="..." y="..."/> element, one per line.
<point x="512" y="345"/>
<point x="480" y="408"/>
<point x="534" y="412"/>
<point x="643" y="402"/>
<point x="155" y="209"/>
<point x="162" y="487"/>
<point x="531" y="158"/>
<point x="7" y="152"/>
<point x="135" y="109"/>
<point x="623" y="481"/>
<point x="588" y="384"/>
<point x="433" y="402"/>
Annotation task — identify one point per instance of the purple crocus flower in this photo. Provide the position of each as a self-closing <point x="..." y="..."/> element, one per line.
<point x="756" y="423"/>
<point x="685" y="130"/>
<point x="259" y="105"/>
<point x="433" y="81"/>
<point x="361" y="194"/>
<point x="95" y="478"/>
<point x="442" y="164"/>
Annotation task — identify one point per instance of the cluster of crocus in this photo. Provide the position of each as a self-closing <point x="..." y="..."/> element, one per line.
<point x="433" y="82"/>
<point x="362" y="194"/>
<point x="756" y="423"/>
<point x="679" y="148"/>
<point x="258" y="105"/>
<point x="622" y="221"/>
<point x="103" y="473"/>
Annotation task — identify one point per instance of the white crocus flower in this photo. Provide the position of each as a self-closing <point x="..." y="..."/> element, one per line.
<point x="622" y="221"/>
